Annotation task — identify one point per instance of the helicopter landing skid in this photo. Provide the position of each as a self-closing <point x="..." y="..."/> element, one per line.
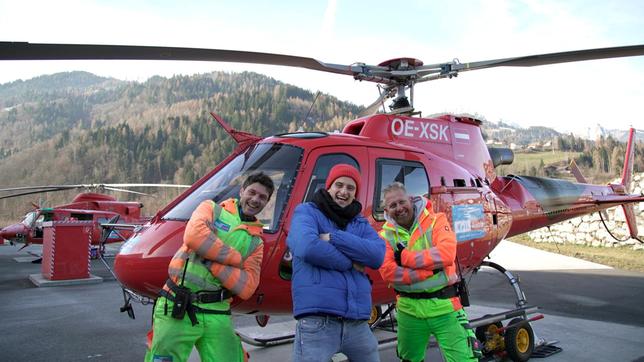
<point x="266" y="342"/>
<point x="381" y="323"/>
<point x="288" y="338"/>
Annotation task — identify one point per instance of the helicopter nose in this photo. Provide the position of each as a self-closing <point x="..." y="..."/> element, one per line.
<point x="12" y="231"/>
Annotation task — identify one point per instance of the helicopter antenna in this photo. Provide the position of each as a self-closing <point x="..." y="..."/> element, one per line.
<point x="311" y="107"/>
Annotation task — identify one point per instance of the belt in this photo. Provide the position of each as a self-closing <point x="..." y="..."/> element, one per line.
<point x="201" y="296"/>
<point x="325" y="315"/>
<point x="191" y="309"/>
<point x="449" y="291"/>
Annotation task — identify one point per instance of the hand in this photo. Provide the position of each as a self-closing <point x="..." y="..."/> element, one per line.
<point x="325" y="236"/>
<point x="398" y="253"/>
<point x="359" y="267"/>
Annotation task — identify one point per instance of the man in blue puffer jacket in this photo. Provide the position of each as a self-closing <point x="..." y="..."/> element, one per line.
<point x="332" y="243"/>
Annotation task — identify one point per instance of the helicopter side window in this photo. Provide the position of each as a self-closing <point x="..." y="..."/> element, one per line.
<point x="81" y="217"/>
<point x="409" y="173"/>
<point x="322" y="167"/>
<point x="37" y="225"/>
<point x="280" y="162"/>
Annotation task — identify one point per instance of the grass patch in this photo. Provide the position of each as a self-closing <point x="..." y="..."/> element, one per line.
<point x="527" y="159"/>
<point x="623" y="258"/>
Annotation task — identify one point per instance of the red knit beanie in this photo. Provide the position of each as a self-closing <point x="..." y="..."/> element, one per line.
<point x="343" y="170"/>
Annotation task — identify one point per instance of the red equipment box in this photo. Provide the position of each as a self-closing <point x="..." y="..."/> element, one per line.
<point x="66" y="249"/>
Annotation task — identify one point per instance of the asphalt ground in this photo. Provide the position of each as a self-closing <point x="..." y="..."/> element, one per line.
<point x="594" y="312"/>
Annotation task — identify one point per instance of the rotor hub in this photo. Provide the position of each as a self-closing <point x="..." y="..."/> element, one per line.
<point x="401" y="63"/>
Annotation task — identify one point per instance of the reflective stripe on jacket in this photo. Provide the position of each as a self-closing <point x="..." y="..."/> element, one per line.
<point x="223" y="251"/>
<point x="430" y="246"/>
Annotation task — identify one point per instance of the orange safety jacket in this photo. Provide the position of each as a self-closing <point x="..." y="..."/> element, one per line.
<point x="217" y="241"/>
<point x="430" y="246"/>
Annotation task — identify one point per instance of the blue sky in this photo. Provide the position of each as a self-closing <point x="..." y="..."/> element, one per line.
<point x="566" y="97"/>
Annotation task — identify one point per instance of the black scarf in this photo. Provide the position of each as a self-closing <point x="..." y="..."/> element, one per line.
<point x="341" y="216"/>
<point x="243" y="217"/>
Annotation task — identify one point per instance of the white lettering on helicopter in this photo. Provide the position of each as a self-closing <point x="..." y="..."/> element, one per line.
<point x="420" y="129"/>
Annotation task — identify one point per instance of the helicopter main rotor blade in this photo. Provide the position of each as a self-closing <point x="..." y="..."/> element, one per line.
<point x="407" y="75"/>
<point x="33" y="192"/>
<point x="52" y="188"/>
<point x="546" y="59"/>
<point x="35" y="51"/>
<point x="147" y="185"/>
<point x="123" y="190"/>
<point x="64" y="187"/>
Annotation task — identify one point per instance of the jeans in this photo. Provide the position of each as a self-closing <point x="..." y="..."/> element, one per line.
<point x="318" y="338"/>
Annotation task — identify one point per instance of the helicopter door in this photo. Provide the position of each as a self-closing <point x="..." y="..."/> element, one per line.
<point x="37" y="227"/>
<point x="322" y="167"/>
<point x="412" y="174"/>
<point x="323" y="159"/>
<point x="393" y="166"/>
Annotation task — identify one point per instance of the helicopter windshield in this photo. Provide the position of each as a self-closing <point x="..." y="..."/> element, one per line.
<point x="278" y="161"/>
<point x="29" y="218"/>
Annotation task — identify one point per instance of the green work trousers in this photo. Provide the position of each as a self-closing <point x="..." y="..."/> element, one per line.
<point x="173" y="339"/>
<point x="454" y="340"/>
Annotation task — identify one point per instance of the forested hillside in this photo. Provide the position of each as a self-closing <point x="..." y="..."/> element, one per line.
<point x="541" y="151"/>
<point x="79" y="128"/>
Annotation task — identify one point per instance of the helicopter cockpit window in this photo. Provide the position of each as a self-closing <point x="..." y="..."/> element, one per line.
<point x="322" y="168"/>
<point x="409" y="173"/>
<point x="280" y="162"/>
<point x="29" y="218"/>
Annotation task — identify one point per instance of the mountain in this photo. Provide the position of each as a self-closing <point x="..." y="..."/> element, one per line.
<point x="504" y="134"/>
<point x="71" y="128"/>
<point x="50" y="87"/>
<point x="597" y="131"/>
<point x="76" y="127"/>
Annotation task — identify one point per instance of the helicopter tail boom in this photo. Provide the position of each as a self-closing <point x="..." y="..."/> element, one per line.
<point x="538" y="201"/>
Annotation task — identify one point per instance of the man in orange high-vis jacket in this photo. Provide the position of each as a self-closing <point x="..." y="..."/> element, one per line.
<point x="420" y="266"/>
<point x="221" y="256"/>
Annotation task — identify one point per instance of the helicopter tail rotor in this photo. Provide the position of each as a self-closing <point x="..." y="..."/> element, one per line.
<point x="627" y="176"/>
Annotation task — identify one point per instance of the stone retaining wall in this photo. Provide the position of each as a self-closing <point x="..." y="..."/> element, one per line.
<point x="589" y="230"/>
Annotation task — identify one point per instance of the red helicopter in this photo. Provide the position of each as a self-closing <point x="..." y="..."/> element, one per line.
<point x="443" y="157"/>
<point x="101" y="208"/>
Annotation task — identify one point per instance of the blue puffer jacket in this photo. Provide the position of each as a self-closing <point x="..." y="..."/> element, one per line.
<point x="324" y="280"/>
